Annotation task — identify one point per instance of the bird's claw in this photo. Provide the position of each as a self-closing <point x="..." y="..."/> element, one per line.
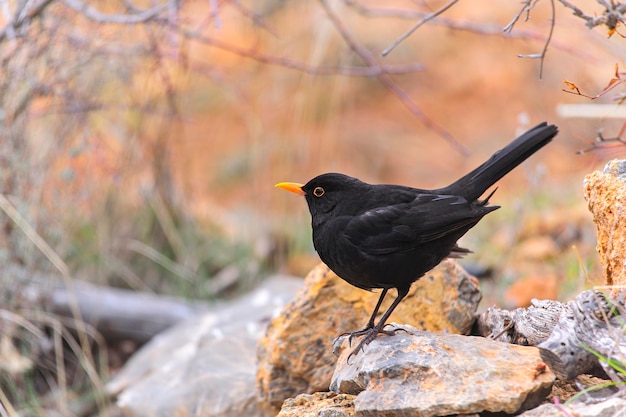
<point x="353" y="334"/>
<point x="369" y="334"/>
<point x="394" y="331"/>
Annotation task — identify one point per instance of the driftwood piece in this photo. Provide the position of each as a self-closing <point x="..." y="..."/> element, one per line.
<point x="565" y="331"/>
<point x="117" y="314"/>
<point x="523" y="326"/>
<point x="590" y="322"/>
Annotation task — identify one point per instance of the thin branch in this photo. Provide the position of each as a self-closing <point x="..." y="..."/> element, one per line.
<point x="255" y="17"/>
<point x="490" y="29"/>
<point x="604" y="143"/>
<point x="542" y="55"/>
<point x="612" y="15"/>
<point x="215" y="13"/>
<point x="96" y="15"/>
<point x="22" y="18"/>
<point x="527" y="6"/>
<point x="384" y="79"/>
<point x="297" y="65"/>
<point x="416" y="26"/>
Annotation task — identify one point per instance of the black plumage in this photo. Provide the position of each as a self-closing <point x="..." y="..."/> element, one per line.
<point x="388" y="236"/>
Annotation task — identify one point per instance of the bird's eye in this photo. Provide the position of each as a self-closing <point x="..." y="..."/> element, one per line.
<point x="318" y="192"/>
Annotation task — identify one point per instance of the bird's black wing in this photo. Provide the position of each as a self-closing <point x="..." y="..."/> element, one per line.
<point x="401" y="227"/>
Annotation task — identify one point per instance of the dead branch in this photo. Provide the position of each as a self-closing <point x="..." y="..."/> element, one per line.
<point x="134" y="15"/>
<point x="602" y="142"/>
<point x="527" y="6"/>
<point x="252" y="53"/>
<point x="384" y="79"/>
<point x="479" y="28"/>
<point x="416" y="26"/>
<point x="566" y="333"/>
<point x="611" y="17"/>
<point x="115" y="314"/>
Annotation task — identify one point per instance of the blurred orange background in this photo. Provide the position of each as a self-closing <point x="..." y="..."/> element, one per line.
<point x="246" y="120"/>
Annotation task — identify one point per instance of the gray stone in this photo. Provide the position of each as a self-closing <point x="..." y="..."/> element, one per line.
<point x="205" y="365"/>
<point x="614" y="407"/>
<point x="416" y="373"/>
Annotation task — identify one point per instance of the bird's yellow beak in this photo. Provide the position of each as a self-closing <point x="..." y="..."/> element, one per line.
<point x="294" y="187"/>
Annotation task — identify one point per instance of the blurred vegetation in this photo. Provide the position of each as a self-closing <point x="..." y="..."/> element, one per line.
<point x="140" y="142"/>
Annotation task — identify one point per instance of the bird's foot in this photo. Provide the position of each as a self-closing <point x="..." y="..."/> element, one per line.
<point x="370" y="334"/>
<point x="352" y="335"/>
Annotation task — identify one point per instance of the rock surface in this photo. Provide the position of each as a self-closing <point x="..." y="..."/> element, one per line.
<point x="605" y="193"/>
<point x="614" y="407"/>
<point x="416" y="373"/>
<point x="295" y="356"/>
<point x="205" y="365"/>
<point x="319" y="404"/>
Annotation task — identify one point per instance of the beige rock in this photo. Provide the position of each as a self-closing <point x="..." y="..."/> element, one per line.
<point x="606" y="197"/>
<point x="295" y="356"/>
<point x="318" y="404"/>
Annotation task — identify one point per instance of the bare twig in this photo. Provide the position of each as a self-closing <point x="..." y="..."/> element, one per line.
<point x="612" y="15"/>
<point x="15" y="22"/>
<point x="136" y="16"/>
<point x="255" y="17"/>
<point x="384" y="79"/>
<point x="490" y="29"/>
<point x="542" y="55"/>
<point x="416" y="26"/>
<point x="258" y="56"/>
<point x="215" y="13"/>
<point x="527" y="6"/>
<point x="617" y="79"/>
<point x="605" y="143"/>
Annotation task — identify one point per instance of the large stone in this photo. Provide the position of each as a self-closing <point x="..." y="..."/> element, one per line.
<point x="205" y="365"/>
<point x="295" y="356"/>
<point x="415" y="373"/>
<point x="606" y="197"/>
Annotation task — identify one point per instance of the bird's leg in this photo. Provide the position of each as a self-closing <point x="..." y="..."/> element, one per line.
<point x="370" y="323"/>
<point x="371" y="333"/>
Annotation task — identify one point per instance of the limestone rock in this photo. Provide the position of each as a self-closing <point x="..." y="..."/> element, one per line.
<point x="204" y="365"/>
<point x="319" y="404"/>
<point x="605" y="193"/>
<point x="415" y="373"/>
<point x="295" y="356"/>
<point x="614" y="407"/>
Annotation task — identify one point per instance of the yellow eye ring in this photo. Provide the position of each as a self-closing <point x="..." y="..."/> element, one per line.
<point x="318" y="192"/>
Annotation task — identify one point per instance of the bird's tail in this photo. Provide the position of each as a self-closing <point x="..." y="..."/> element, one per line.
<point x="474" y="184"/>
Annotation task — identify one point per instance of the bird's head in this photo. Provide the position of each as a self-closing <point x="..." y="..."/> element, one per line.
<point x="327" y="192"/>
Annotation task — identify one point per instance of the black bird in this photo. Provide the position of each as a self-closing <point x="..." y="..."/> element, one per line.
<point x="388" y="236"/>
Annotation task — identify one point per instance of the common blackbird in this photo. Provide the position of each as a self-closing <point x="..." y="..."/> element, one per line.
<point x="389" y="236"/>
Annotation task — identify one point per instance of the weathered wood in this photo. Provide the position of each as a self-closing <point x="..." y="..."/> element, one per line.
<point x="116" y="313"/>
<point x="591" y="321"/>
<point x="562" y="330"/>
<point x="523" y="326"/>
